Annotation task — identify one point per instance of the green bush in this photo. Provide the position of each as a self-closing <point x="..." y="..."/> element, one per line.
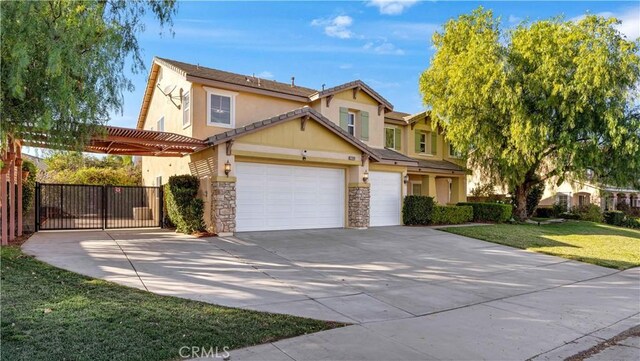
<point x="490" y="212"/>
<point x="631" y="222"/>
<point x="28" y="186"/>
<point x="615" y="218"/>
<point x="559" y="209"/>
<point x="184" y="209"/>
<point x="417" y="210"/>
<point x="452" y="214"/>
<point x="590" y="212"/>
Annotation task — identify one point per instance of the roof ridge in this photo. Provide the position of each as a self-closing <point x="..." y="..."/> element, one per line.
<point x="235" y="74"/>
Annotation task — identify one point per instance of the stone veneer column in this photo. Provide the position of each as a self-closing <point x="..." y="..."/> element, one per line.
<point x="223" y="207"/>
<point x="358" y="206"/>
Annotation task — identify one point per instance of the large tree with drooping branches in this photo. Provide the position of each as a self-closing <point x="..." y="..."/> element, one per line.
<point x="546" y="100"/>
<point x="63" y="64"/>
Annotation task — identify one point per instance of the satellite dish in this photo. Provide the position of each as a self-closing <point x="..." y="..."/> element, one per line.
<point x="168" y="89"/>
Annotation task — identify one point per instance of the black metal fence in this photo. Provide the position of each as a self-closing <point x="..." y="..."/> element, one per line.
<point x="75" y="206"/>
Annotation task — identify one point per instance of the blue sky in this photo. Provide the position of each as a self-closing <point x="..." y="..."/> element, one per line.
<point x="387" y="44"/>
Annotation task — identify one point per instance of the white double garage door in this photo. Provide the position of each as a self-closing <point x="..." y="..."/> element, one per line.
<point x="280" y="197"/>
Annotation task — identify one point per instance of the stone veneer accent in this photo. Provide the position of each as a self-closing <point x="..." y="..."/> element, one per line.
<point x="223" y="206"/>
<point x="358" y="207"/>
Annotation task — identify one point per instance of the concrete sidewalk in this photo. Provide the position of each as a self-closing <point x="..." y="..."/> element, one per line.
<point x="412" y="293"/>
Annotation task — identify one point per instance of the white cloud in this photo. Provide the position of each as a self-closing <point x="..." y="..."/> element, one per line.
<point x="345" y="66"/>
<point x="630" y="26"/>
<point x="337" y="27"/>
<point x="410" y="31"/>
<point x="392" y="7"/>
<point x="265" y="75"/>
<point x="514" y="19"/>
<point x="383" y="48"/>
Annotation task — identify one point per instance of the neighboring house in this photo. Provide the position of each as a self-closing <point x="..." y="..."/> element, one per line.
<point x="574" y="194"/>
<point x="282" y="156"/>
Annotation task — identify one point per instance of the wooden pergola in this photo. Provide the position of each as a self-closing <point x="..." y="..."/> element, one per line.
<point x="111" y="140"/>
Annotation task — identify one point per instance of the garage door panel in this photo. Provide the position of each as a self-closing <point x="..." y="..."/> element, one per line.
<point x="385" y="198"/>
<point x="272" y="197"/>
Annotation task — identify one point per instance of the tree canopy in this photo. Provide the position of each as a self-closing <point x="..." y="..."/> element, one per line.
<point x="76" y="168"/>
<point x="63" y="64"/>
<point x="547" y="100"/>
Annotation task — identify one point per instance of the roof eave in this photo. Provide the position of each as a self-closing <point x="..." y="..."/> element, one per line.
<point x="247" y="89"/>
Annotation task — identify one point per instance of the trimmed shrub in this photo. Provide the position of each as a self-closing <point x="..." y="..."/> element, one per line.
<point x="417" y="210"/>
<point x="590" y="212"/>
<point x="615" y="218"/>
<point x="452" y="214"/>
<point x="28" y="186"/>
<point x="184" y="210"/>
<point x="631" y="222"/>
<point x="545" y="213"/>
<point x="490" y="212"/>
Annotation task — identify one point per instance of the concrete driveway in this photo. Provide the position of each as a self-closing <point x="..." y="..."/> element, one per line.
<point x="411" y="293"/>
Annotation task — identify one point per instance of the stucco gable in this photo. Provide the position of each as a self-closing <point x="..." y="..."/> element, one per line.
<point x="304" y="115"/>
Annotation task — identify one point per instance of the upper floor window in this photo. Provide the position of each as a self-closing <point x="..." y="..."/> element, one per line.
<point x="160" y="124"/>
<point x="453" y="152"/>
<point x="221" y="108"/>
<point x="351" y="123"/>
<point x="426" y="142"/>
<point x="422" y="142"/>
<point x="392" y="136"/>
<point x="186" y="109"/>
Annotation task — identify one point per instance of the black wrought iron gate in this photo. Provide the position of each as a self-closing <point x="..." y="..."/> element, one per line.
<point x="74" y="206"/>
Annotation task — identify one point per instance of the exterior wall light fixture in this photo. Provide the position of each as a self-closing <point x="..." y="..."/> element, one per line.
<point x="227" y="168"/>
<point x="365" y="176"/>
<point x="406" y="178"/>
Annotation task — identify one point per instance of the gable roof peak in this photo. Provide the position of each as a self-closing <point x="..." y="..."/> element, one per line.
<point x="351" y="85"/>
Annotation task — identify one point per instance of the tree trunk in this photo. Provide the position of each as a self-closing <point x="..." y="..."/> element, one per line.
<point x="520" y="194"/>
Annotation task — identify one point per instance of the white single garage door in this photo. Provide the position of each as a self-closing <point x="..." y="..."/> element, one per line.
<point x="276" y="197"/>
<point x="386" y="197"/>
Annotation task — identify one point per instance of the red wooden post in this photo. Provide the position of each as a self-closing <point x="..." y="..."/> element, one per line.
<point x="12" y="196"/>
<point x="19" y="196"/>
<point x="3" y="199"/>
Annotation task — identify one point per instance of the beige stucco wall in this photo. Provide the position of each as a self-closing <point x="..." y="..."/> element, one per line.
<point x="249" y="108"/>
<point x="572" y="189"/>
<point x="363" y="102"/>
<point x="290" y="135"/>
<point x="437" y="186"/>
<point x="161" y="106"/>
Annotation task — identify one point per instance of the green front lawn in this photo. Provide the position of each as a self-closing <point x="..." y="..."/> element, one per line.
<point x="51" y="314"/>
<point x="600" y="244"/>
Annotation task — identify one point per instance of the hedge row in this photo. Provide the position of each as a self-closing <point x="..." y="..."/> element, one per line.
<point x="421" y="210"/>
<point x="490" y="212"/>
<point x="452" y="214"/>
<point x="619" y="218"/>
<point x="184" y="209"/>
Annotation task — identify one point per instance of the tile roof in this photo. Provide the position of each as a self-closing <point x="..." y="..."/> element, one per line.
<point x="294" y="114"/>
<point x="238" y="79"/>
<point x="353" y="84"/>
<point x="396" y="115"/>
<point x="392" y="155"/>
<point x="440" y="164"/>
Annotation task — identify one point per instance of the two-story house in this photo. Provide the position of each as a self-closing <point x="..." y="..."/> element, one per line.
<point x="282" y="156"/>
